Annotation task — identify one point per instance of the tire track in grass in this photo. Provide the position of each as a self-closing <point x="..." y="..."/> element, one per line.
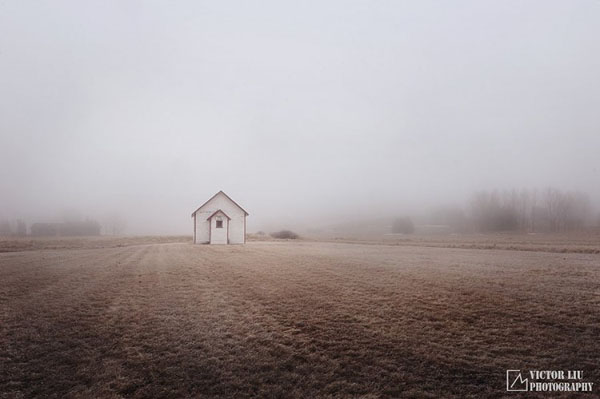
<point x="22" y="276"/>
<point x="332" y="306"/>
<point x="308" y="320"/>
<point x="270" y="336"/>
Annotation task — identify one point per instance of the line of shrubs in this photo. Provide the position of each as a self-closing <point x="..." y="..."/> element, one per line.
<point x="285" y="234"/>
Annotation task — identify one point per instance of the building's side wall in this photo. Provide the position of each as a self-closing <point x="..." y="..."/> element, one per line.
<point x="236" y="224"/>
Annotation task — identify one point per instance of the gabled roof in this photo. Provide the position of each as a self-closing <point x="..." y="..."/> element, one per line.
<point x="218" y="211"/>
<point x="227" y="196"/>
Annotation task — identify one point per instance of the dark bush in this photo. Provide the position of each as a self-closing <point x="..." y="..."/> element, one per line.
<point x="403" y="226"/>
<point x="287" y="234"/>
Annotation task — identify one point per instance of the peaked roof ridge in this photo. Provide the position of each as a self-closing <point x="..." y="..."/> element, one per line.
<point x="226" y="196"/>
<point x="218" y="211"/>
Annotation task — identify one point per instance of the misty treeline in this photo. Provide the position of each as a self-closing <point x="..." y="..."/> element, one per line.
<point x="72" y="224"/>
<point x="66" y="229"/>
<point x="549" y="210"/>
<point x="13" y="228"/>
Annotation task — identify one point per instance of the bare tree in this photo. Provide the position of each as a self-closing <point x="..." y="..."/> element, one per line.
<point x="566" y="210"/>
<point x="5" y="228"/>
<point x="494" y="211"/>
<point x="114" y="224"/>
<point x="403" y="225"/>
<point x="552" y="201"/>
<point x="21" y="228"/>
<point x="532" y="208"/>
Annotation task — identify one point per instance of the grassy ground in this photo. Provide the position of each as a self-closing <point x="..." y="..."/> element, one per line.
<point x="575" y="242"/>
<point x="18" y="244"/>
<point x="292" y="319"/>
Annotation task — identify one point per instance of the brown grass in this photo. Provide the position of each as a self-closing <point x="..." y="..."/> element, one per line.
<point x="10" y="244"/>
<point x="578" y="242"/>
<point x="285" y="319"/>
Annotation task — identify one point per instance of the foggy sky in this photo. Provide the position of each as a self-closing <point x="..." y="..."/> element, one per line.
<point x="309" y="112"/>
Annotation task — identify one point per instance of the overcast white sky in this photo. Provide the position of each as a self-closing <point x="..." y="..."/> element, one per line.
<point x="298" y="110"/>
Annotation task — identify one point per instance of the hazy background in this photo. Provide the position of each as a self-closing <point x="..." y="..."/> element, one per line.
<point x="305" y="113"/>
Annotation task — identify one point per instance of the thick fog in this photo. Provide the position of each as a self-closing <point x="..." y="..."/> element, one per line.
<point x="305" y="113"/>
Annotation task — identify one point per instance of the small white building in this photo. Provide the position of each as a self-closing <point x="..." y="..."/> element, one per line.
<point x="220" y="220"/>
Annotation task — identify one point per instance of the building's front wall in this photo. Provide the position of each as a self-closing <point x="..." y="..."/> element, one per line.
<point x="237" y="228"/>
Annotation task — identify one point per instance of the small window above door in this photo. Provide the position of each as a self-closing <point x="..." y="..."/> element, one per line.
<point x="219" y="222"/>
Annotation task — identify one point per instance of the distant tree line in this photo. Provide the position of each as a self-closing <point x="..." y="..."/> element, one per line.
<point x="76" y="228"/>
<point x="548" y="210"/>
<point x="71" y="226"/>
<point x="14" y="228"/>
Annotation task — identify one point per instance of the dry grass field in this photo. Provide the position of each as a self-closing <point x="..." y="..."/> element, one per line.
<point x="11" y="244"/>
<point x="575" y="242"/>
<point x="292" y="319"/>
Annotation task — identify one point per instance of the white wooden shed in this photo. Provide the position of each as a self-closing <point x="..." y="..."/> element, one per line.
<point x="220" y="220"/>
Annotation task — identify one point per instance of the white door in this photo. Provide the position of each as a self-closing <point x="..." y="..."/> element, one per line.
<point x="219" y="227"/>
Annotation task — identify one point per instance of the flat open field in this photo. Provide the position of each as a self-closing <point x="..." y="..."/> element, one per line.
<point x="576" y="242"/>
<point x="292" y="319"/>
